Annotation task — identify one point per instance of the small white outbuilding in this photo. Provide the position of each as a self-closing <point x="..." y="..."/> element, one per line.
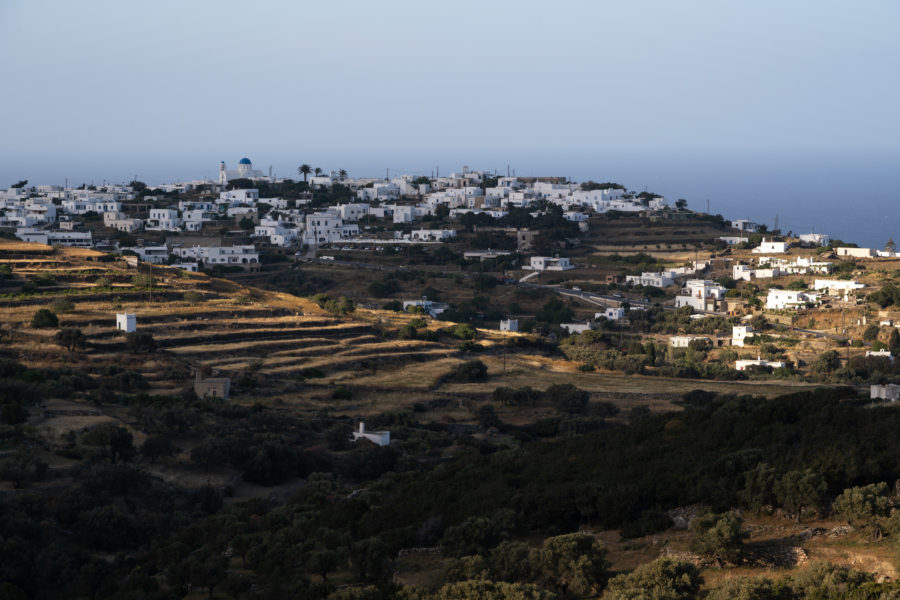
<point x="126" y="322"/>
<point x="382" y="438"/>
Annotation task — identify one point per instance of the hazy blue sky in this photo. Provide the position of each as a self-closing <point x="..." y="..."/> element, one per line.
<point x="98" y="90"/>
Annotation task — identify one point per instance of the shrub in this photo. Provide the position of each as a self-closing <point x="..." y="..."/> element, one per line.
<point x="464" y="331"/>
<point x="62" y="305"/>
<point x="407" y="332"/>
<point x="342" y="393"/>
<point x="662" y="579"/>
<point x="471" y="370"/>
<point x="567" y="398"/>
<point x="70" y="338"/>
<point x="192" y="298"/>
<point x="140" y="341"/>
<point x="718" y="536"/>
<point x="44" y="318"/>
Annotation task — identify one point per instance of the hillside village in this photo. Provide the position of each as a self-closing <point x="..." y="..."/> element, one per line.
<point x="370" y="240"/>
<point x="343" y="388"/>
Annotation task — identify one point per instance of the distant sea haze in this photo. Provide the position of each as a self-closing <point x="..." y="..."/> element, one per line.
<point x="854" y="197"/>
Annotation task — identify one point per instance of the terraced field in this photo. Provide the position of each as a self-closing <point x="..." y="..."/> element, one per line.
<point x="233" y="330"/>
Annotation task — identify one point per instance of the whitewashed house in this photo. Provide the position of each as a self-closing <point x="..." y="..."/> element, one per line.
<point x="819" y="239"/>
<point x="549" y="263"/>
<point x="430" y="307"/>
<point x="890" y="391"/>
<point x="742" y="272"/>
<point x="782" y="299"/>
<point x="742" y="365"/>
<point x="234" y="197"/>
<point x="739" y="333"/>
<point x="431" y="235"/>
<point x="353" y="212"/>
<point x="156" y="255"/>
<point x="323" y="228"/>
<point x="221" y="255"/>
<point x="574" y="328"/>
<point x="880" y="354"/>
<point x="121" y="222"/>
<point x="509" y="325"/>
<point x="79" y="239"/>
<point x="684" y="341"/>
<point x="610" y="314"/>
<point x="163" y="219"/>
<point x="382" y="438"/>
<point x="745" y="225"/>
<point x="659" y="279"/>
<point x="770" y="247"/>
<point x="837" y="285"/>
<point x="700" y="294"/>
<point x="857" y="252"/>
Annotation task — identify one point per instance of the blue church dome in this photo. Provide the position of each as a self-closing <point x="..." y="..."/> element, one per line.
<point x="245" y="161"/>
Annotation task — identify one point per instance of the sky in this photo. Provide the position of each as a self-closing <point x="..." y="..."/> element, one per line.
<point x="668" y="94"/>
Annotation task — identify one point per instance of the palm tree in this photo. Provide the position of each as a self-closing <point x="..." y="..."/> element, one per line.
<point x="343" y="174"/>
<point x="318" y="171"/>
<point x="304" y="170"/>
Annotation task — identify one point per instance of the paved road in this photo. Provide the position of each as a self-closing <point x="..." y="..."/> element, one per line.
<point x="606" y="300"/>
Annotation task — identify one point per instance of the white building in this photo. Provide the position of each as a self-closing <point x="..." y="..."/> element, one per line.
<point x="353" y="212"/>
<point x="277" y="231"/>
<point x="742" y="365"/>
<point x="891" y="392"/>
<point x="156" y="255"/>
<point x="683" y="341"/>
<point x="739" y="333"/>
<point x="250" y="197"/>
<point x="611" y="314"/>
<point x="126" y="322"/>
<point x="382" y="438"/>
<point x="430" y="307"/>
<point x="880" y="354"/>
<point x="574" y="328"/>
<point x="323" y="228"/>
<point x="80" y="239"/>
<point x="837" y="285"/>
<point x="782" y="299"/>
<point x="163" y="219"/>
<point x="379" y="191"/>
<point x="819" y="239"/>
<point x="221" y="255"/>
<point x="82" y="205"/>
<point x="857" y="252"/>
<point x="548" y="263"/>
<point x="431" y="235"/>
<point x="509" y="325"/>
<point x="403" y="214"/>
<point x="745" y="225"/>
<point x="700" y="294"/>
<point x="769" y="247"/>
<point x="245" y="170"/>
<point x="804" y="266"/>
<point x="742" y="272"/>
<point x="121" y="222"/>
<point x="659" y="279"/>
